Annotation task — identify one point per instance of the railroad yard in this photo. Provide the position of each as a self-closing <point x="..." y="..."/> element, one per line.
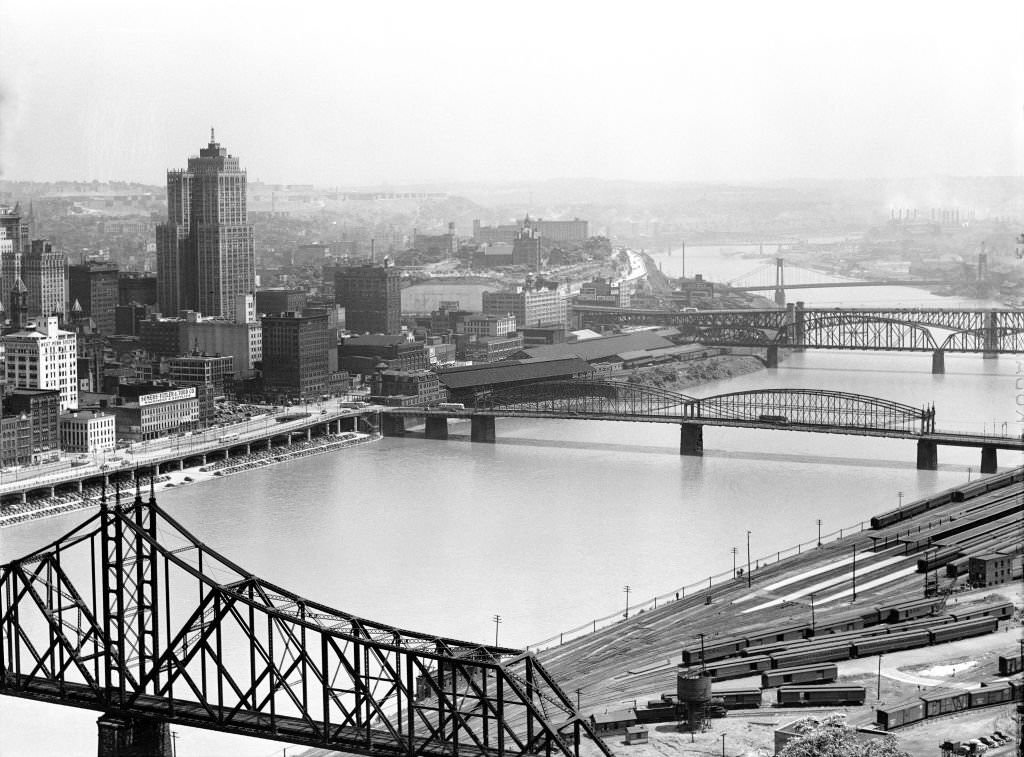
<point x="884" y="626"/>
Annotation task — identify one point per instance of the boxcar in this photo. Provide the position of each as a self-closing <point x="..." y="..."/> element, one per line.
<point x="919" y="608"/>
<point x="964" y="629"/>
<point x="738" y="699"/>
<point x="900" y="713"/>
<point x="786" y="633"/>
<point x="839" y="625"/>
<point x="718" y="649"/>
<point x="1010" y="664"/>
<point x="664" y="714"/>
<point x="828" y="694"/>
<point x="891" y="643"/>
<point x="826" y="673"/>
<point x="941" y="701"/>
<point x="1000" y="611"/>
<point x="738" y="667"/>
<point x="818" y="654"/>
<point x="994" y="692"/>
<point x="792" y="645"/>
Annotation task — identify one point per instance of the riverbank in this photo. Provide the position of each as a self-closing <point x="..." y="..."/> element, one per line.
<point x="679" y="376"/>
<point x="44" y="507"/>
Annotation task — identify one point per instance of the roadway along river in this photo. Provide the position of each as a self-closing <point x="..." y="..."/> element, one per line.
<point x="548" y="525"/>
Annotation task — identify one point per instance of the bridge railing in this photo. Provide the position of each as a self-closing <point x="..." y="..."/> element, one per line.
<point x="697" y="589"/>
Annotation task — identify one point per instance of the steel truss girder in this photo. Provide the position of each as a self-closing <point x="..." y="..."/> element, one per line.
<point x="810" y="407"/>
<point x="130" y="613"/>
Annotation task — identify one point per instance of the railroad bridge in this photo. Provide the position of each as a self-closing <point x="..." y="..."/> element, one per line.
<point x="811" y="410"/>
<point x="938" y="331"/>
<point x="131" y="615"/>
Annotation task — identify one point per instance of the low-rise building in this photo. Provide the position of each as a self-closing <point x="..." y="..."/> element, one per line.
<point x="29" y="426"/>
<point x="362" y="354"/>
<point x="88" y="431"/>
<point x="994" y="568"/>
<point x="418" y="387"/>
<point x="155" y="409"/>
<point x="491" y="349"/>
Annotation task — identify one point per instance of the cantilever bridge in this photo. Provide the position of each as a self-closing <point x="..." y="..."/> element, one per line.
<point x="131" y="615"/>
<point x="813" y="410"/>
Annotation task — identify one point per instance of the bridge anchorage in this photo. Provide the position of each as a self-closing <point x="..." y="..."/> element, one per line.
<point x="809" y="410"/>
<point x="131" y="615"/>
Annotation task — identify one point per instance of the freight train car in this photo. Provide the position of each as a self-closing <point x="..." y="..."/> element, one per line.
<point x="717" y="649"/>
<point x="900" y="713"/>
<point x="918" y="608"/>
<point x="737" y="699"/>
<point x="963" y="630"/>
<point x="996" y="692"/>
<point x="803" y="675"/>
<point x="738" y="667"/>
<point x="1010" y="664"/>
<point x="821" y="696"/>
<point x="814" y="655"/>
<point x="775" y="635"/>
<point x="944" y="701"/>
<point x="1001" y="611"/>
<point x="891" y="643"/>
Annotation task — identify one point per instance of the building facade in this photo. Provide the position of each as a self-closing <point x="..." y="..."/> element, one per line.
<point x="487" y="325"/>
<point x="88" y="431"/>
<point x="43" y="357"/>
<point x="45" y="273"/>
<point x="205" y="251"/>
<point x="531" y="304"/>
<point x="155" y="409"/>
<point x="29" y="427"/>
<point x="372" y="298"/>
<point x="94" y="286"/>
<point x="295" y="362"/>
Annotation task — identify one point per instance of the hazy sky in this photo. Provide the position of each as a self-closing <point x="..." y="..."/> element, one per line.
<point x="347" y="93"/>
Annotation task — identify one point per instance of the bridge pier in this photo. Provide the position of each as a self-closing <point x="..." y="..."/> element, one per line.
<point x="927" y="455"/>
<point x="988" y="459"/>
<point x="125" y="736"/>
<point x="393" y="425"/>
<point x="482" y="428"/>
<point x="939" y="362"/>
<point x="436" y="427"/>
<point x="780" y="296"/>
<point x="691" y="440"/>
<point x="771" y="359"/>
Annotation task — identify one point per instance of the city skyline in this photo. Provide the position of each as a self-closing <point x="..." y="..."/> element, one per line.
<point x="459" y="93"/>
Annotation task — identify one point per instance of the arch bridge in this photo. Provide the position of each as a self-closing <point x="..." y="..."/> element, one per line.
<point x="811" y="410"/>
<point x="131" y="615"/>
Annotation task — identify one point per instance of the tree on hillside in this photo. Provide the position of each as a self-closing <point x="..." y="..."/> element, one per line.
<point x="831" y="737"/>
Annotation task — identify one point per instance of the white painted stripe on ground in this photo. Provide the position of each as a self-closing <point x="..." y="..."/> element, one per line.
<point x="835" y="580"/>
<point x="867" y="557"/>
<point x="870" y="584"/>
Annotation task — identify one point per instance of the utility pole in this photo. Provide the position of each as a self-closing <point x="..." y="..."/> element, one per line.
<point x="734" y="551"/>
<point x="812" y="613"/>
<point x="627" y="589"/>
<point x="878" y="691"/>
<point x="748" y="559"/>
<point x="819" y="532"/>
<point x="174" y="744"/>
<point x="578" y="691"/>
<point x="497" y="622"/>
<point x="900" y="495"/>
<point x="702" y="668"/>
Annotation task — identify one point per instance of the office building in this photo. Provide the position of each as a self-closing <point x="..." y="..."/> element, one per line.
<point x="45" y="274"/>
<point x="16" y="227"/>
<point x="532" y="304"/>
<point x="526" y="247"/>
<point x="295" y="362"/>
<point x="137" y="288"/>
<point x="477" y="324"/>
<point x="372" y="298"/>
<point x="29" y="427"/>
<point x="94" y="286"/>
<point x="362" y="354"/>
<point x="280" y="300"/>
<point x="154" y="409"/>
<point x="575" y="230"/>
<point x="88" y="431"/>
<point x="205" y="251"/>
<point x="43" y="357"/>
<point x="171" y="337"/>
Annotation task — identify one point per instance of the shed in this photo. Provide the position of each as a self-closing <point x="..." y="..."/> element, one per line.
<point x="636" y="734"/>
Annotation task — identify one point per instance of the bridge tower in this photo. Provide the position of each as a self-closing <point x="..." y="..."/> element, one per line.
<point x="990" y="339"/>
<point x="780" y="291"/>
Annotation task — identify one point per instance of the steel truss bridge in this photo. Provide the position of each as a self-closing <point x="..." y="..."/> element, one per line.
<point x="920" y="330"/>
<point x="131" y="615"/>
<point x="813" y="410"/>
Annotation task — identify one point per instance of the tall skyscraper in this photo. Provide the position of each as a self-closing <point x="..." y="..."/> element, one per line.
<point x="45" y="273"/>
<point x="16" y="230"/>
<point x="205" y="251"/>
<point x="372" y="298"/>
<point x="94" y="287"/>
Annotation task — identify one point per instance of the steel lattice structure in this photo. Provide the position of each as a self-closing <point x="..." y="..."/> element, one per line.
<point x="905" y="329"/>
<point x="130" y="614"/>
<point x="621" y="400"/>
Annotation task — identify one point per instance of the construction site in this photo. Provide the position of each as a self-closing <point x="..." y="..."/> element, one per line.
<point x="910" y="627"/>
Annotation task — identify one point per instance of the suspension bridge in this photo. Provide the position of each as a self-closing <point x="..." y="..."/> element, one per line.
<point x="808" y="410"/>
<point x="131" y="615"/>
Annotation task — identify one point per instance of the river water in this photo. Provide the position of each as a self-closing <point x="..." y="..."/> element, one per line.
<point x="548" y="525"/>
